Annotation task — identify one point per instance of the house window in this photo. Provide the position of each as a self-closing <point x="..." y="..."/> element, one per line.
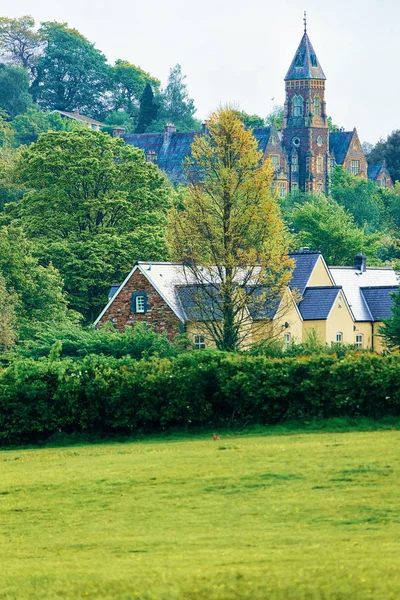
<point x="383" y="182"/>
<point x="359" y="340"/>
<point x="297" y="106"/>
<point x="288" y="339"/>
<point x="139" y="302"/>
<point x="331" y="164"/>
<point x="339" y="337"/>
<point x="295" y="185"/>
<point x="319" y="187"/>
<point x="282" y="191"/>
<point x="275" y="158"/>
<point x="199" y="342"/>
<point x="317" y="106"/>
<point x="320" y="164"/>
<point x="355" y="167"/>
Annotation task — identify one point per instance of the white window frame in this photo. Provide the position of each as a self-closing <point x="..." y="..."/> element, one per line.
<point x="355" y="167"/>
<point x="140" y="304"/>
<point x="359" y="340"/>
<point x="288" y="339"/>
<point x="320" y="164"/>
<point x="275" y="160"/>
<point x="199" y="341"/>
<point x="339" y="337"/>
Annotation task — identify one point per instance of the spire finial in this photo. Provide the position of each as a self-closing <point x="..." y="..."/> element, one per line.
<point x="305" y="22"/>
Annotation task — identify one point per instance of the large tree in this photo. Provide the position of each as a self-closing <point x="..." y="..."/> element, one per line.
<point x="20" y="44"/>
<point x="71" y="73"/>
<point x="14" y="90"/>
<point x="94" y="207"/>
<point x="388" y="150"/>
<point x="127" y="85"/>
<point x="148" y="110"/>
<point x="229" y="232"/>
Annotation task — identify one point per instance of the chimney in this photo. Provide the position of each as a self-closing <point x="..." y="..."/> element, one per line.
<point x="169" y="129"/>
<point x="204" y="127"/>
<point x="360" y="262"/>
<point x="118" y="131"/>
<point x="76" y="112"/>
<point x="151" y="156"/>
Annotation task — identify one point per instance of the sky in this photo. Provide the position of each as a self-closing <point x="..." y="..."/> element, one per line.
<point x="237" y="52"/>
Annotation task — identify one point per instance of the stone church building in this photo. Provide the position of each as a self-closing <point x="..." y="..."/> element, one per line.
<point x="303" y="154"/>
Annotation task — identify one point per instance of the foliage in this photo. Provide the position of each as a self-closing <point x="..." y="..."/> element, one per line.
<point x="10" y="190"/>
<point x="232" y="224"/>
<point x="119" y="119"/>
<point x="332" y="127"/>
<point x="359" y="196"/>
<point x="28" y="126"/>
<point x="250" y="121"/>
<point x="71" y="73"/>
<point x="390" y="330"/>
<point x="19" y="43"/>
<point x="7" y="317"/>
<point x="148" y="110"/>
<point x="324" y="225"/>
<point x="389" y="151"/>
<point x="94" y="205"/>
<point x="14" y="90"/>
<point x="128" y="84"/>
<point x="275" y="117"/>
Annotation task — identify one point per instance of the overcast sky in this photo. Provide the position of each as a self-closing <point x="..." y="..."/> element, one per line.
<point x="238" y="51"/>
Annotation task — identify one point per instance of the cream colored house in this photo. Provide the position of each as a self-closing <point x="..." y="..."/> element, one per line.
<point x="338" y="304"/>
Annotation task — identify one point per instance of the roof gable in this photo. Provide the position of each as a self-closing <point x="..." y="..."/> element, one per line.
<point x="317" y="302"/>
<point x="379" y="301"/>
<point x="305" y="64"/>
<point x="304" y="266"/>
<point x="339" y="144"/>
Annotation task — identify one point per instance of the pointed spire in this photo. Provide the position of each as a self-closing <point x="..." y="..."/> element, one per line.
<point x="305" y="64"/>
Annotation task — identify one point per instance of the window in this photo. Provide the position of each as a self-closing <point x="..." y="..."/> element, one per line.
<point x="295" y="162"/>
<point x="319" y="140"/>
<point x="339" y="337"/>
<point x="359" y="340"/>
<point x="296" y="142"/>
<point x="199" y="342"/>
<point x="139" y="302"/>
<point x="331" y="164"/>
<point x="297" y="106"/>
<point x="355" y="167"/>
<point x="320" y="164"/>
<point x="273" y="140"/>
<point x="383" y="181"/>
<point x="295" y="185"/>
<point x="275" y="158"/>
<point x="355" y="146"/>
<point x="317" y="106"/>
<point x="313" y="60"/>
<point x="282" y="191"/>
<point x="288" y="339"/>
<point x="320" y="187"/>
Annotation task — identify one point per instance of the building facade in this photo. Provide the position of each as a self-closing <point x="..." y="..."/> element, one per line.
<point x="303" y="154"/>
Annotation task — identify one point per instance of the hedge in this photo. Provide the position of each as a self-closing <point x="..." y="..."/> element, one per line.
<point x="105" y="396"/>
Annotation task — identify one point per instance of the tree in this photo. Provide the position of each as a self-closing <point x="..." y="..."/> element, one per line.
<point x="230" y="234"/>
<point x="390" y="331"/>
<point x="128" y="84"/>
<point x="94" y="207"/>
<point x="275" y="117"/>
<point x="250" y="121"/>
<point x="388" y="151"/>
<point x="148" y="110"/>
<point x="71" y="73"/>
<point x="28" y="126"/>
<point x="19" y="43"/>
<point x="8" y="332"/>
<point x="175" y="104"/>
<point x="324" y="225"/>
<point x="14" y="90"/>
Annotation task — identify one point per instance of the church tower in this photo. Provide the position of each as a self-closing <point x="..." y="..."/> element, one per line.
<point x="305" y="125"/>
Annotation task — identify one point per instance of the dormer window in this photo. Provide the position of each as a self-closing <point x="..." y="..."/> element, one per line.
<point x="298" y="106"/>
<point x="300" y="59"/>
<point x="313" y="60"/>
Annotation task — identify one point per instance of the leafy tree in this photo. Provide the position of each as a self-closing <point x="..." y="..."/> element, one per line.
<point x="128" y="84"/>
<point x="95" y="207"/>
<point x="6" y="132"/>
<point x="71" y="73"/>
<point x="324" y="225"/>
<point x="10" y="190"/>
<point x="175" y="104"/>
<point x="19" y="43"/>
<point x="391" y="327"/>
<point x="37" y="290"/>
<point x="331" y="126"/>
<point x="118" y="119"/>
<point x="28" y="126"/>
<point x="237" y="262"/>
<point x="8" y="332"/>
<point x="359" y="196"/>
<point x="14" y="90"/>
<point x="148" y="110"/>
<point x="388" y="151"/>
<point x="250" y="121"/>
<point x="275" y="117"/>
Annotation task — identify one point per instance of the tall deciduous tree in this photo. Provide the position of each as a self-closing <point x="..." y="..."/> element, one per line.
<point x="128" y="84"/>
<point x="14" y="90"/>
<point x="20" y="44"/>
<point x="175" y="105"/>
<point x="95" y="206"/>
<point x="148" y="110"/>
<point x="388" y="150"/>
<point x="71" y="73"/>
<point x="230" y="233"/>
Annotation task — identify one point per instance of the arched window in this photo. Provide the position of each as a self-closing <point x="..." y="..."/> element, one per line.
<point x="320" y="164"/>
<point x="298" y="106"/>
<point x="295" y="162"/>
<point x="383" y="181"/>
<point x="339" y="337"/>
<point x="317" y="106"/>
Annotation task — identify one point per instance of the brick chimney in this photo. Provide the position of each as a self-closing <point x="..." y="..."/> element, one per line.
<point x="151" y="156"/>
<point x="360" y="262"/>
<point x="169" y="129"/>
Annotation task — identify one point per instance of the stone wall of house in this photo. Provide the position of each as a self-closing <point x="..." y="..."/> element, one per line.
<point x="159" y="315"/>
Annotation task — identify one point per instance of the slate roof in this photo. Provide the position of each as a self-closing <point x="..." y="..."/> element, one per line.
<point x="352" y="281"/>
<point x="379" y="301"/>
<point x="339" y="143"/>
<point x="304" y="266"/>
<point x="305" y="64"/>
<point x="113" y="290"/>
<point x="317" y="302"/>
<point x="78" y="117"/>
<point x="194" y="298"/>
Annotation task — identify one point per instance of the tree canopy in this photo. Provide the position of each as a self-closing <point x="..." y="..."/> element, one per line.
<point x="389" y="151"/>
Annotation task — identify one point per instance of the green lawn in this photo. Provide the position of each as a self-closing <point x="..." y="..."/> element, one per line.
<point x="303" y="516"/>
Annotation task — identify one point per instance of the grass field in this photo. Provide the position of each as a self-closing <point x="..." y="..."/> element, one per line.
<point x="303" y="516"/>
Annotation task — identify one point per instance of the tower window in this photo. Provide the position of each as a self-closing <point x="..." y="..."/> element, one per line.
<point x="298" y="106"/>
<point x="295" y="162"/>
<point x="317" y="106"/>
<point x="320" y="141"/>
<point x="275" y="159"/>
<point x="320" y="164"/>
<point x="313" y="60"/>
<point x="300" y="59"/>
<point x="355" y="167"/>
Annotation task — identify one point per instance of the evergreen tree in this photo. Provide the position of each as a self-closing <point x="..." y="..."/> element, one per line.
<point x="391" y="327"/>
<point x="148" y="110"/>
